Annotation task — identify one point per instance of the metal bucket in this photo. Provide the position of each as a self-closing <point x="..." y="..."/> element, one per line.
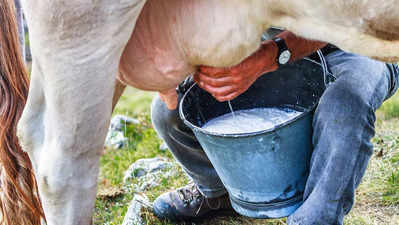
<point x="264" y="172"/>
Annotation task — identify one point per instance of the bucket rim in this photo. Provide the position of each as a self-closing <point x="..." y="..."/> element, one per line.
<point x="247" y="134"/>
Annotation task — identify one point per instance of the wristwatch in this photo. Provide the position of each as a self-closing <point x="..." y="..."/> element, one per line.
<point x="284" y="54"/>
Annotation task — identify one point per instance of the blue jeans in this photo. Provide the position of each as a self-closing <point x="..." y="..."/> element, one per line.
<point x="343" y="127"/>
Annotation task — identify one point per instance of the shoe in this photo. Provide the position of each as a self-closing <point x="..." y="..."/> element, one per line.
<point x="187" y="203"/>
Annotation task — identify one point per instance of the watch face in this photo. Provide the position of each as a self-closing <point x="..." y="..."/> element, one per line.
<point x="284" y="57"/>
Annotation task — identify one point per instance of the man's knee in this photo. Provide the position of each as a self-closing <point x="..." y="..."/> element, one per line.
<point x="359" y="80"/>
<point x="343" y="105"/>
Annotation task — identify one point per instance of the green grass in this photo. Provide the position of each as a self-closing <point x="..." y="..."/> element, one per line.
<point x="391" y="169"/>
<point x="392" y="188"/>
<point x="134" y="102"/>
<point x="390" y="109"/>
<point x="377" y="199"/>
<point x="143" y="143"/>
<point x="27" y="42"/>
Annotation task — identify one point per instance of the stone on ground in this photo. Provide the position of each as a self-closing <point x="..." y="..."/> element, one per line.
<point x="137" y="205"/>
<point x="116" y="138"/>
<point x="163" y="147"/>
<point x="149" y="172"/>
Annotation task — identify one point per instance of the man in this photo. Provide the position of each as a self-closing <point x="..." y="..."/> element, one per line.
<point x="343" y="126"/>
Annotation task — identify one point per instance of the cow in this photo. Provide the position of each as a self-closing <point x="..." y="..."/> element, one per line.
<point x="52" y="129"/>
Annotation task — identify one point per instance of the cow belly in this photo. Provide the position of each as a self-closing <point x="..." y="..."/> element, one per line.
<point x="172" y="37"/>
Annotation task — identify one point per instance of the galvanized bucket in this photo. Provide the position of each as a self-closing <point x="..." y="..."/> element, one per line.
<point x="264" y="172"/>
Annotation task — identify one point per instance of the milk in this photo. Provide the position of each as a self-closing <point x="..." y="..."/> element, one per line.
<point x="250" y="120"/>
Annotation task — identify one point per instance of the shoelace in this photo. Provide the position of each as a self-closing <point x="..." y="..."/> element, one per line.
<point x="188" y="195"/>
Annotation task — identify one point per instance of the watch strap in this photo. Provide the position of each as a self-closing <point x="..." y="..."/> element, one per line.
<point x="282" y="46"/>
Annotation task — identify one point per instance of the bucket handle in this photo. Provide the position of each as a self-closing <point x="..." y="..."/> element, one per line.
<point x="328" y="77"/>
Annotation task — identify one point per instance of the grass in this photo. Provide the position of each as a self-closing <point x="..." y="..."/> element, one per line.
<point x="143" y="143"/>
<point x="377" y="198"/>
<point x="134" y="102"/>
<point x="390" y="108"/>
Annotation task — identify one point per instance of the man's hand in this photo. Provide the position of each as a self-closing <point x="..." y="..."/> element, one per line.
<point x="170" y="98"/>
<point x="227" y="83"/>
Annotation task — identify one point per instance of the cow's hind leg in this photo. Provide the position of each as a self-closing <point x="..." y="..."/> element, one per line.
<point x="76" y="49"/>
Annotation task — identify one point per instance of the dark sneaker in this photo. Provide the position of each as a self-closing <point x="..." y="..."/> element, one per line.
<point x="188" y="203"/>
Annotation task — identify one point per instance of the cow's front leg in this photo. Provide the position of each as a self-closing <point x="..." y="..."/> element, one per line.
<point x="76" y="48"/>
<point x="63" y="130"/>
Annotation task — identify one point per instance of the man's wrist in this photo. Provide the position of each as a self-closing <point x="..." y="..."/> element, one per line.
<point x="270" y="53"/>
<point x="298" y="46"/>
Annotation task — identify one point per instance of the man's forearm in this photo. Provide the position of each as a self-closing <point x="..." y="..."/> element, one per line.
<point x="298" y="46"/>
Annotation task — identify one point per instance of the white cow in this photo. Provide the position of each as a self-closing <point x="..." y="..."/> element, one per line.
<point x="82" y="48"/>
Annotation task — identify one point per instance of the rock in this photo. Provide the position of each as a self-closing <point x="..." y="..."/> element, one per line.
<point x="133" y="215"/>
<point x="115" y="140"/>
<point x="149" y="173"/>
<point x="143" y="167"/>
<point x="147" y="182"/>
<point x="115" y="137"/>
<point x="119" y="122"/>
<point x="163" y="147"/>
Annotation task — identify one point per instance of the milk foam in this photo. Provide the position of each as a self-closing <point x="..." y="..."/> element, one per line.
<point x="250" y="120"/>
